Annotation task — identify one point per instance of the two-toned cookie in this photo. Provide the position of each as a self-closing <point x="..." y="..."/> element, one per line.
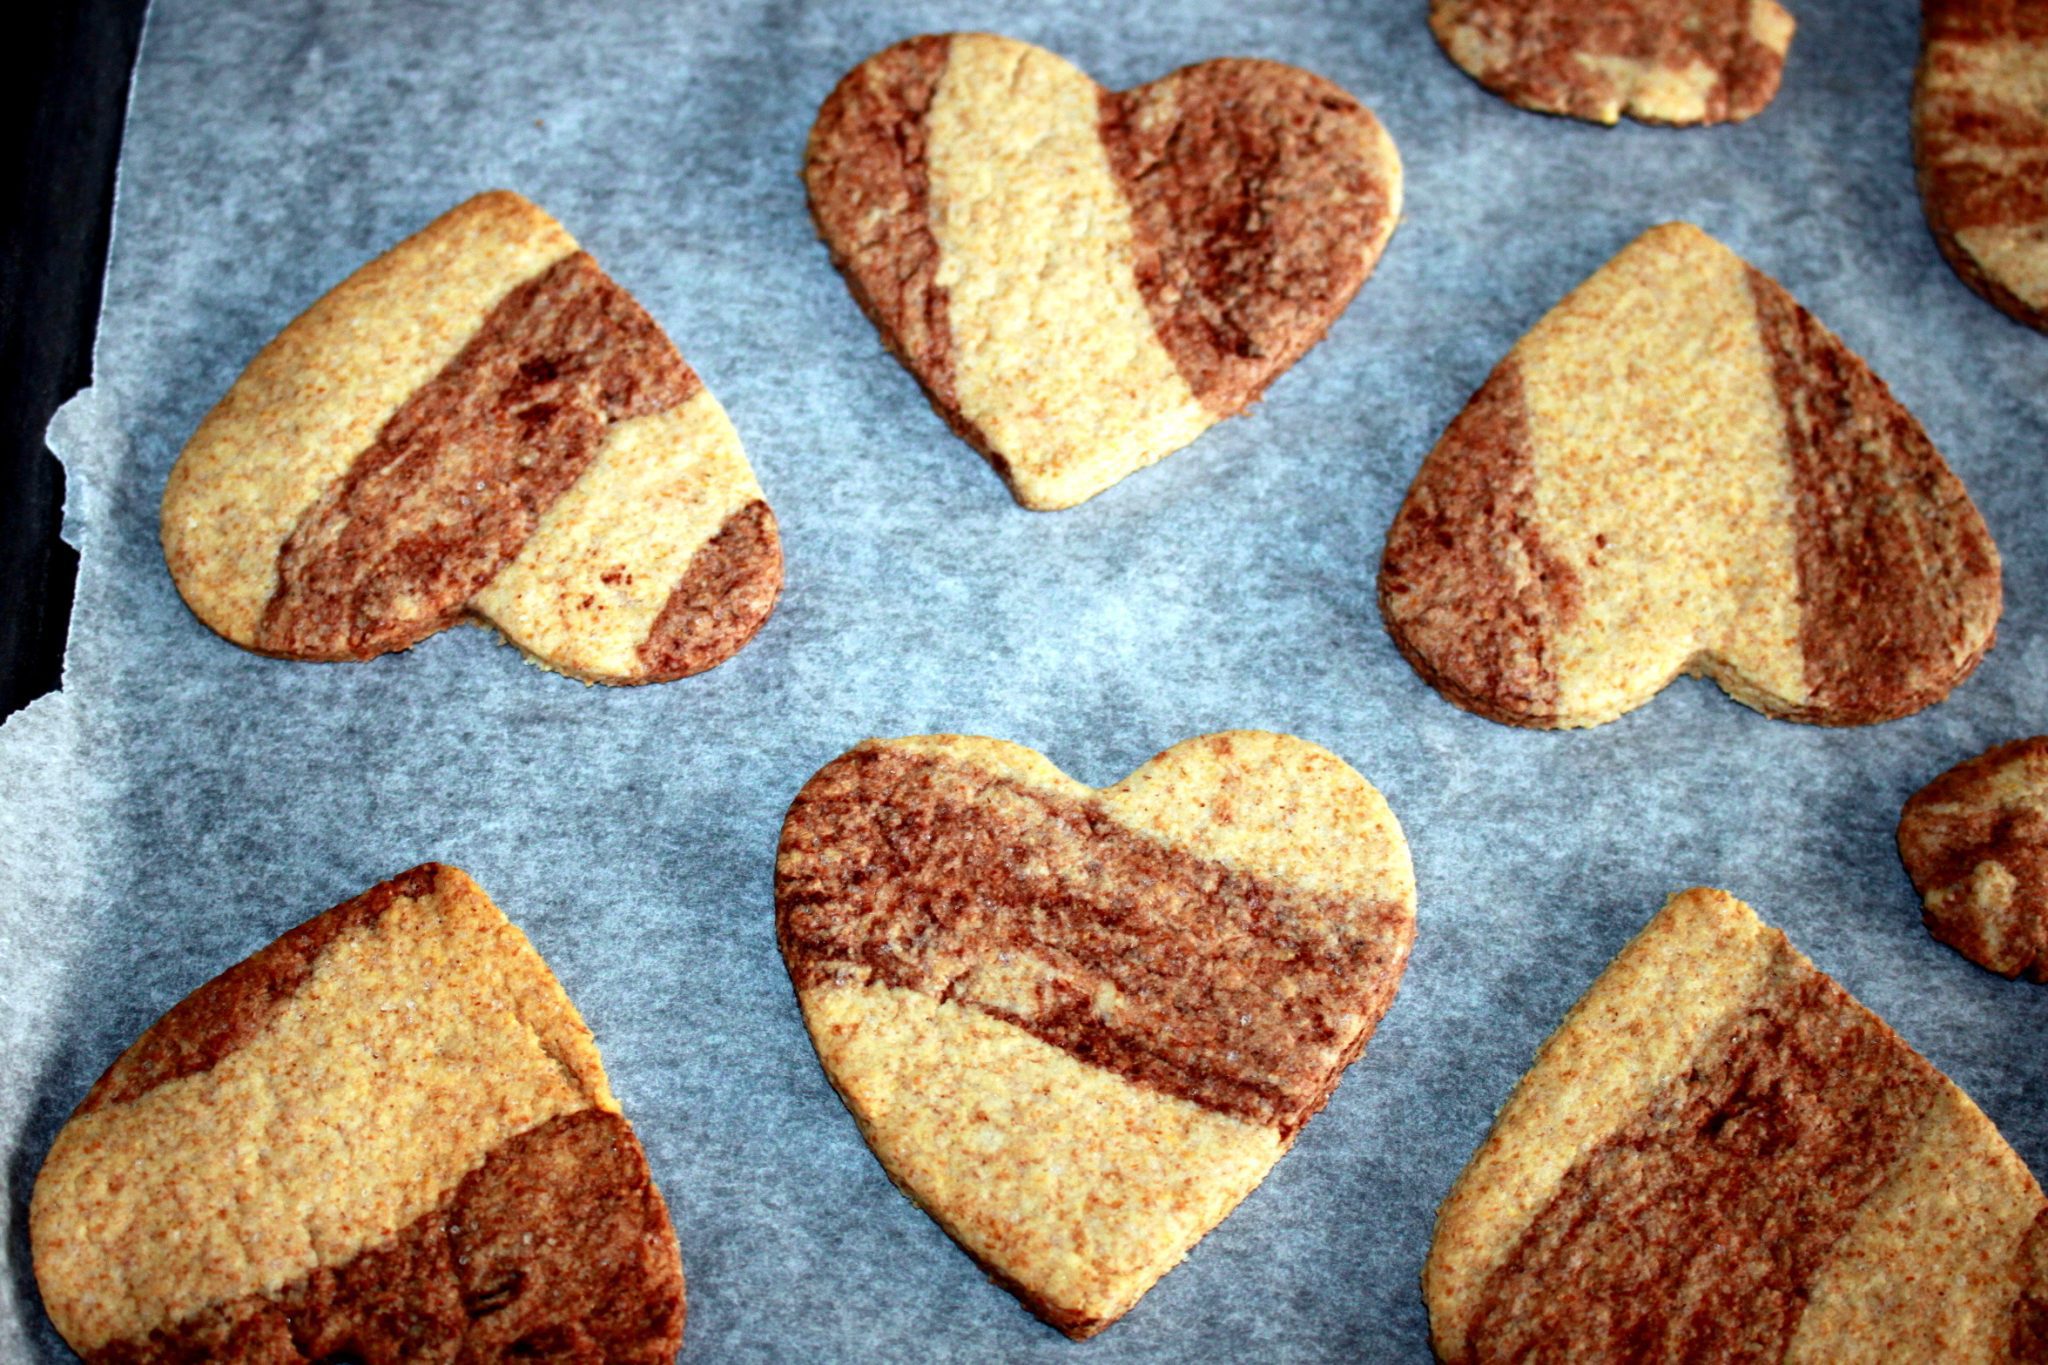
<point x="1658" y="61"/>
<point x="1721" y="1155"/>
<point x="1077" y="1027"/>
<point x="1980" y="141"/>
<point x="1975" y="842"/>
<point x="1085" y="280"/>
<point x="385" y="1137"/>
<point x="1681" y="470"/>
<point x="480" y="424"/>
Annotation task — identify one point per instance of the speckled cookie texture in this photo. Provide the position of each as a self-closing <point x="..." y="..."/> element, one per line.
<point x="1680" y="470"/>
<point x="479" y="424"/>
<point x="1085" y="280"/>
<point x="1078" y="1026"/>
<point x="1658" y="61"/>
<point x="1975" y="842"/>
<point x="1980" y="139"/>
<point x="386" y="1137"/>
<point x="1721" y="1155"/>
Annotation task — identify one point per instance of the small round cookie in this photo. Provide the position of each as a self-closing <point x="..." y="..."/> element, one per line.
<point x="1980" y="141"/>
<point x="1721" y="1155"/>
<point x="1078" y="1026"/>
<point x="1975" y="842"/>
<point x="1085" y="280"/>
<point x="385" y="1137"/>
<point x="481" y="424"/>
<point x="1658" y="61"/>
<point x="1680" y="470"/>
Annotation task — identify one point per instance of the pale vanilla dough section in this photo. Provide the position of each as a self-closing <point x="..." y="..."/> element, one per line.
<point x="1662" y="472"/>
<point x="1636" y="1029"/>
<point x="420" y="1043"/>
<point x="1274" y="806"/>
<point x="1956" y="1210"/>
<point x="1055" y="355"/>
<point x="1082" y="1187"/>
<point x="316" y="396"/>
<point x="585" y="590"/>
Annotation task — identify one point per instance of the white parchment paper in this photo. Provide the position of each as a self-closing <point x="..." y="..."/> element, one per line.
<point x="182" y="802"/>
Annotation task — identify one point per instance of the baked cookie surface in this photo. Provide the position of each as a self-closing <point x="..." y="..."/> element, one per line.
<point x="1980" y="141"/>
<point x="1975" y="842"/>
<point x="479" y="423"/>
<point x="385" y="1137"/>
<point x="1680" y="470"/>
<point x="1085" y="280"/>
<point x="1657" y="61"/>
<point x="1721" y="1155"/>
<point x="1078" y="1026"/>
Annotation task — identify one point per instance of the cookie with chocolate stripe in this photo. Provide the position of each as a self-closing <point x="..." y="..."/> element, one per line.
<point x="1721" y="1155"/>
<point x="1078" y="1026"/>
<point x="479" y="424"/>
<point x="1085" y="280"/>
<point x="1980" y="140"/>
<point x="385" y="1137"/>
<point x="1658" y="61"/>
<point x="1975" y="842"/>
<point x="1680" y="470"/>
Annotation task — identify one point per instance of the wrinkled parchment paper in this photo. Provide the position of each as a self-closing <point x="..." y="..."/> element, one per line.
<point x="182" y="802"/>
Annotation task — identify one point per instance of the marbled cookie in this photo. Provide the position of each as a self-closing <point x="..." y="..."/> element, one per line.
<point x="1084" y="280"/>
<point x="477" y="423"/>
<point x="1659" y="61"/>
<point x="1720" y="1155"/>
<point x="1975" y="842"/>
<point x="385" y="1137"/>
<point x="1079" y="1026"/>
<point x="1980" y="139"/>
<point x="1680" y="470"/>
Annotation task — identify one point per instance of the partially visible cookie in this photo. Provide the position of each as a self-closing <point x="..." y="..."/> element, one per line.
<point x="1085" y="280"/>
<point x="1975" y="842"/>
<point x="385" y="1137"/>
<point x="1980" y="140"/>
<point x="1658" y="61"/>
<point x="1078" y="1026"/>
<point x="1680" y="470"/>
<point x="1720" y="1155"/>
<point x="478" y="423"/>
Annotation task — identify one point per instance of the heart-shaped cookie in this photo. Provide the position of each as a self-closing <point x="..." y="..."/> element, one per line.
<point x="1975" y="842"/>
<point x="1721" y="1155"/>
<point x="1980" y="140"/>
<point x="1658" y="61"/>
<point x="385" y="1137"/>
<point x="1680" y="470"/>
<point x="1078" y="1026"/>
<point x="1084" y="280"/>
<point x="478" y="423"/>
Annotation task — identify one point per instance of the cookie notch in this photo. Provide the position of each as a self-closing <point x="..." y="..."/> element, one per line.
<point x="1721" y="1153"/>
<point x="1680" y="470"/>
<point x="479" y="424"/>
<point x="1042" y="1002"/>
<point x="387" y="1135"/>
<point x="1077" y="277"/>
